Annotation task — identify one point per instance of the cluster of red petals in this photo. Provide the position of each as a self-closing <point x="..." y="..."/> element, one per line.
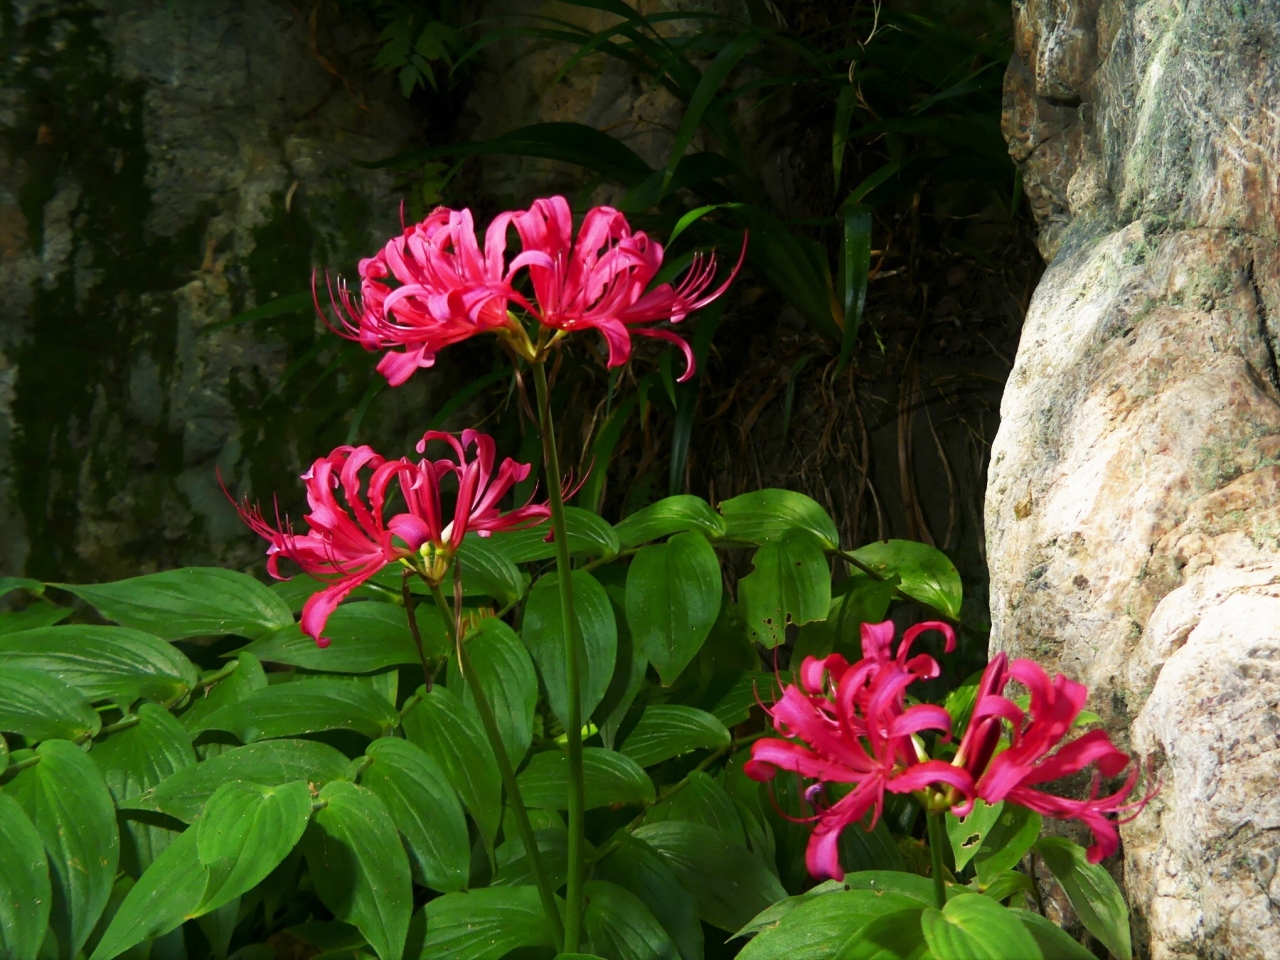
<point x="346" y="545"/>
<point x="849" y="724"/>
<point x="1031" y="758"/>
<point x="448" y="289"/>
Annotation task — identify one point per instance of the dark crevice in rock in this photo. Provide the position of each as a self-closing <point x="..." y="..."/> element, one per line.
<point x="1264" y="327"/>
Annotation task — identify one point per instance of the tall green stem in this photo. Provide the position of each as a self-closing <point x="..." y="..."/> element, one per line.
<point x="937" y="838"/>
<point x="573" y="665"/>
<point x="545" y="890"/>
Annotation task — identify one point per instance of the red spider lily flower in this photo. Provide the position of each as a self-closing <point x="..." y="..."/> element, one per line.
<point x="1032" y="759"/>
<point x="479" y="490"/>
<point x="448" y="290"/>
<point x="600" y="280"/>
<point x="344" y="546"/>
<point x="849" y="724"/>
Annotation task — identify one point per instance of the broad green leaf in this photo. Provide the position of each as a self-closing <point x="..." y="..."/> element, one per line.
<point x="770" y="917"/>
<point x="41" y="707"/>
<point x="244" y="680"/>
<point x="426" y="811"/>
<point x="729" y="883"/>
<point x="485" y="924"/>
<point x="874" y="849"/>
<point x="133" y="761"/>
<point x="818" y="927"/>
<point x="610" y="779"/>
<point x="618" y="924"/>
<point x="489" y="572"/>
<point x="68" y="803"/>
<point x="272" y="762"/>
<point x="858" y="600"/>
<point x="1054" y="942"/>
<point x="966" y="833"/>
<point x="514" y="869"/>
<point x="578" y="956"/>
<point x="629" y="669"/>
<point x="769" y="514"/>
<point x="740" y="691"/>
<point x="670" y="515"/>
<point x="977" y="928"/>
<point x="305" y="706"/>
<point x="1097" y="900"/>
<point x="639" y="868"/>
<point x="191" y="602"/>
<point x="543" y="633"/>
<point x="451" y="735"/>
<point x="165" y="896"/>
<point x="366" y="636"/>
<point x="34" y="616"/>
<point x="917" y="888"/>
<point x="892" y="936"/>
<point x="668" y="730"/>
<point x="790" y="583"/>
<point x="588" y="535"/>
<point x="926" y="574"/>
<point x="24" y="884"/>
<point x="246" y="831"/>
<point x="701" y="800"/>
<point x="672" y="600"/>
<point x="1006" y="842"/>
<point x="506" y="674"/>
<point x="102" y="661"/>
<point x="219" y="926"/>
<point x="10" y="584"/>
<point x="359" y="866"/>
<point x="1004" y="886"/>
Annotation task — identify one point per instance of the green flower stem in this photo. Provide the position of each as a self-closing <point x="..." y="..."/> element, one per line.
<point x="573" y="662"/>
<point x="937" y="837"/>
<point x="545" y="891"/>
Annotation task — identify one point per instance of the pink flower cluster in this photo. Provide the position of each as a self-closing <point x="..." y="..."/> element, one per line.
<point x="347" y="545"/>
<point x="447" y="289"/>
<point x="850" y="725"/>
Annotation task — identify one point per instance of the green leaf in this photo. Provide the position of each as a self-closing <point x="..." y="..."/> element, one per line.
<point x="451" y="735"/>
<point x="162" y="899"/>
<point x="630" y="667"/>
<point x="359" y="867"/>
<point x="702" y="800"/>
<point x="244" y="680"/>
<point x="41" y="707"/>
<point x="927" y="575"/>
<point x="34" y="616"/>
<point x="24" y="884"/>
<point x="874" y="849"/>
<point x="246" y="831"/>
<point x="669" y="730"/>
<point x="1097" y="900"/>
<point x="485" y="924"/>
<point x="618" y="924"/>
<point x="790" y="583"/>
<point x="672" y="600"/>
<point x="1004" y="886"/>
<point x="273" y="762"/>
<point x="770" y="514"/>
<point x="488" y="572"/>
<point x="514" y="867"/>
<point x="892" y="881"/>
<point x="977" y="928"/>
<point x="818" y="927"/>
<point x="1054" y="942"/>
<point x="588" y="535"/>
<point x="10" y="584"/>
<point x="367" y="636"/>
<point x="637" y="867"/>
<point x="542" y="633"/>
<point x="610" y="779"/>
<point x="893" y="936"/>
<point x="730" y="884"/>
<point x="966" y="833"/>
<point x="426" y="811"/>
<point x="1006" y="842"/>
<point x="770" y="917"/>
<point x="855" y="263"/>
<point x="305" y="706"/>
<point x="734" y="701"/>
<point x="102" y="661"/>
<point x="68" y="803"/>
<point x="670" y="515"/>
<point x="133" y="761"/>
<point x="191" y="602"/>
<point x="506" y="674"/>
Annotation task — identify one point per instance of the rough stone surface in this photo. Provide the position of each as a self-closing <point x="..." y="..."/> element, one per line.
<point x="1133" y="507"/>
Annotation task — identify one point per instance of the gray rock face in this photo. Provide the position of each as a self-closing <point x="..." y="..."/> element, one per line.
<point x="164" y="167"/>
<point x="1133" y="507"/>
